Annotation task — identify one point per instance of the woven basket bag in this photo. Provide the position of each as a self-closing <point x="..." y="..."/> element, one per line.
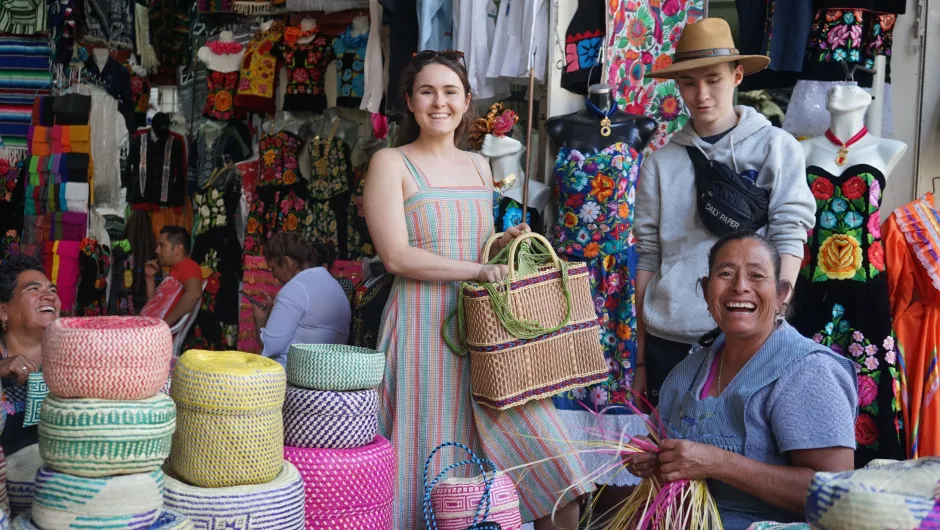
<point x="486" y="501"/>
<point x="36" y="392"/>
<point x="66" y="501"/>
<point x="167" y="520"/>
<point x="100" y="438"/>
<point x="329" y="420"/>
<point x="229" y="427"/>
<point x="119" y="358"/>
<point x="334" y="367"/>
<point x="533" y="335"/>
<point x="347" y="488"/>
<point x="278" y="504"/>
<point x="21" y="478"/>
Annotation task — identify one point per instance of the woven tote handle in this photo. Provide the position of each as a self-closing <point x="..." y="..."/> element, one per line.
<point x="514" y="248"/>
<point x="563" y="270"/>
<point x="430" y="521"/>
<point x="489" y="244"/>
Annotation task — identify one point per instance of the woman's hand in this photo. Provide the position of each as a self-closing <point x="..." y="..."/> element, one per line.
<point x="643" y="465"/>
<point x="512" y="233"/>
<point x="17" y="366"/>
<point x="491" y="273"/>
<point x="151" y="268"/>
<point x="261" y="314"/>
<point x="681" y="459"/>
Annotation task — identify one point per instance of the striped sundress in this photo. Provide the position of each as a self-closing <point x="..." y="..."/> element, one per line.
<point x="425" y="396"/>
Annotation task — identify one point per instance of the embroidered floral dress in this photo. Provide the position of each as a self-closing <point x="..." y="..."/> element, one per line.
<point x="95" y="265"/>
<point x="280" y="199"/>
<point x="328" y="193"/>
<point x="258" y="81"/>
<point x="358" y="240"/>
<point x="350" y="53"/>
<point x="306" y="69"/>
<point x="854" y="36"/>
<point x="217" y="250"/>
<point x="595" y="225"/>
<point x="841" y="300"/>
<point x="220" y="105"/>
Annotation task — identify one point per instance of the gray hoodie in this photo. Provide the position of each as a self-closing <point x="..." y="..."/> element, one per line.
<point x="673" y="242"/>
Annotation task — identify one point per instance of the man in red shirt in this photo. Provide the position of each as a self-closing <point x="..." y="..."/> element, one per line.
<point x="181" y="290"/>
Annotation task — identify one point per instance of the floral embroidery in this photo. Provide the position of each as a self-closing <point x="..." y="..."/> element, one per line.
<point x="350" y="53"/>
<point x="306" y="65"/>
<point x="582" y="50"/>
<point x="219" y="104"/>
<point x="848" y="234"/>
<point x="259" y="66"/>
<point x="210" y="211"/>
<point x="643" y="39"/>
<point x="224" y="48"/>
<point x="855" y="36"/>
<point x="279" y="154"/>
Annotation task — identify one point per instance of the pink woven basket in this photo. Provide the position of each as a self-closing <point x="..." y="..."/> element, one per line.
<point x="347" y="488"/>
<point x="120" y="358"/>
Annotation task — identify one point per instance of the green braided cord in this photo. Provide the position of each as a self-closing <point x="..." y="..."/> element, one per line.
<point x="530" y="256"/>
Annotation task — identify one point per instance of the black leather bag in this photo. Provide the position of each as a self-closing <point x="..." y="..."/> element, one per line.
<point x="727" y="202"/>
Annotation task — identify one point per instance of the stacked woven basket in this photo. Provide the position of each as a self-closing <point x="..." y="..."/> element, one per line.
<point x="227" y="467"/>
<point x="104" y="430"/>
<point x="330" y="427"/>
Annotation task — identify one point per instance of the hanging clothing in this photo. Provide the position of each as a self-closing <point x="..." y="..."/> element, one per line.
<point x="116" y="81"/>
<point x="897" y="7"/>
<point x="278" y="204"/>
<point x="375" y="69"/>
<point x="435" y="18"/>
<point x="95" y="265"/>
<point x="121" y="300"/>
<point x="642" y="38"/>
<point x="350" y="53"/>
<point x="169" y="28"/>
<point x="217" y="250"/>
<point x="258" y="280"/>
<point x="220" y="105"/>
<point x="776" y="29"/>
<point x="422" y="408"/>
<point x="140" y="95"/>
<point x="306" y="68"/>
<point x="474" y="33"/>
<point x="841" y="300"/>
<point x="596" y="194"/>
<point x="328" y="192"/>
<point x="110" y="132"/>
<point x="359" y="242"/>
<point x="402" y="20"/>
<point x="912" y="244"/>
<point x="508" y="213"/>
<point x="212" y="146"/>
<point x="23" y="17"/>
<point x="257" y="85"/>
<point x="520" y="36"/>
<point x="583" y="41"/>
<point x="853" y="36"/>
<point x="110" y="22"/>
<point x="156" y="171"/>
<point x="369" y="304"/>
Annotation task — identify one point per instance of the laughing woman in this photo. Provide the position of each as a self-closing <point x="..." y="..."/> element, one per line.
<point x="28" y="304"/>
<point x="429" y="207"/>
<point x="759" y="409"/>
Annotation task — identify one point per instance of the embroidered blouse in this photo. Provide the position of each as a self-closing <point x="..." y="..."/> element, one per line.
<point x="156" y="170"/>
<point x="306" y="68"/>
<point x="258" y="83"/>
<point x="350" y="57"/>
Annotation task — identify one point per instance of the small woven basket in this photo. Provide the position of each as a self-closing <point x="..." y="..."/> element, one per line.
<point x="533" y="335"/>
<point x="334" y="367"/>
<point x="229" y="427"/>
<point x="485" y="502"/>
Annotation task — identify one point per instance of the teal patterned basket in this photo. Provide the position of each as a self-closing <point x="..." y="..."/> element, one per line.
<point x="36" y="392"/>
<point x="101" y="438"/>
<point x="334" y="367"/>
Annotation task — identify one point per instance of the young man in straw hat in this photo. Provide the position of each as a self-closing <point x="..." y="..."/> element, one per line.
<point x="672" y="239"/>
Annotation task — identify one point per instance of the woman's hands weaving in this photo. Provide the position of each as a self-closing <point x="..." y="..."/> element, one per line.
<point x="677" y="460"/>
<point x="17" y="367"/>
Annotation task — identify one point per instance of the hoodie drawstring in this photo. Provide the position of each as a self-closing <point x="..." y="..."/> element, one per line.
<point x="734" y="161"/>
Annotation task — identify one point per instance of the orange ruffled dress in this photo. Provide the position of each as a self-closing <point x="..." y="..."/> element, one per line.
<point x="912" y="247"/>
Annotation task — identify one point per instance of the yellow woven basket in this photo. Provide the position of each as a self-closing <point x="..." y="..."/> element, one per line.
<point x="229" y="427"/>
<point x="507" y="370"/>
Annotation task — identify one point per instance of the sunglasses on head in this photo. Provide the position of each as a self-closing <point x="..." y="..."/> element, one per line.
<point x="451" y="55"/>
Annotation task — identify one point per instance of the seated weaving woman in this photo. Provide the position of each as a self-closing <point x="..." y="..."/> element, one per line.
<point x="28" y="304"/>
<point x="759" y="408"/>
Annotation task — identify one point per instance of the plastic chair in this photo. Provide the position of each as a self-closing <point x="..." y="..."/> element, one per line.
<point x="181" y="328"/>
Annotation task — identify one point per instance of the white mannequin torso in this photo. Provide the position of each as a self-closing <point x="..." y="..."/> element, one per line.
<point x="101" y="56"/>
<point x="505" y="156"/>
<point x="847" y="106"/>
<point x="360" y="26"/>
<point x="225" y="63"/>
<point x="266" y="25"/>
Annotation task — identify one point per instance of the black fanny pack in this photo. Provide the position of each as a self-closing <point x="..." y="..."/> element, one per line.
<point x="727" y="202"/>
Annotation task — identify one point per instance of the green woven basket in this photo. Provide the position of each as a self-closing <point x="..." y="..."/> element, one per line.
<point x="334" y="367"/>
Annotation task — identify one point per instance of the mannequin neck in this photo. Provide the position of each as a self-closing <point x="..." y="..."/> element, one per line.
<point x="266" y="25"/>
<point x="845" y="125"/>
<point x="226" y="36"/>
<point x="101" y="56"/>
<point x="602" y="100"/>
<point x="308" y="24"/>
<point x="360" y="26"/>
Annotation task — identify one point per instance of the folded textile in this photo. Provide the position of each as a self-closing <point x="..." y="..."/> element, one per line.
<point x="67" y="226"/>
<point x="76" y="197"/>
<point x="60" y="263"/>
<point x="42" y="111"/>
<point x="72" y="109"/>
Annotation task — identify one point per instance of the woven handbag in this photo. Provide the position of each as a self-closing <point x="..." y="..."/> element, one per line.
<point x="278" y="504"/>
<point x="533" y="335"/>
<point x="66" y="501"/>
<point x="99" y="438"/>
<point x="334" y="367"/>
<point x="486" y="502"/>
<point x="36" y="392"/>
<point x="21" y="478"/>
<point x="347" y="488"/>
<point x="329" y="420"/>
<point x="120" y="358"/>
<point x="229" y="427"/>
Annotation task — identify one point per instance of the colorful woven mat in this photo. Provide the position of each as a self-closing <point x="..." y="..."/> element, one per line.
<point x="276" y="504"/>
<point x="99" y="438"/>
<point x="121" y="358"/>
<point x="334" y="367"/>
<point x="327" y="419"/>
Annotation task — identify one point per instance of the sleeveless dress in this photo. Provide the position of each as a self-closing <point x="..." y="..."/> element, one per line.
<point x="425" y="395"/>
<point x="279" y="202"/>
<point x="842" y="302"/>
<point x="596" y="196"/>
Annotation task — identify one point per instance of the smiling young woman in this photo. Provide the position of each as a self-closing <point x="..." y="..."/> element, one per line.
<point x="429" y="207"/>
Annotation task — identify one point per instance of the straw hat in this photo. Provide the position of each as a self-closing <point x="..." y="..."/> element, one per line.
<point x="705" y="43"/>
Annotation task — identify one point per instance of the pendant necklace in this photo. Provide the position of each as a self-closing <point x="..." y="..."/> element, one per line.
<point x="843" y="153"/>
<point x="605" y="116"/>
